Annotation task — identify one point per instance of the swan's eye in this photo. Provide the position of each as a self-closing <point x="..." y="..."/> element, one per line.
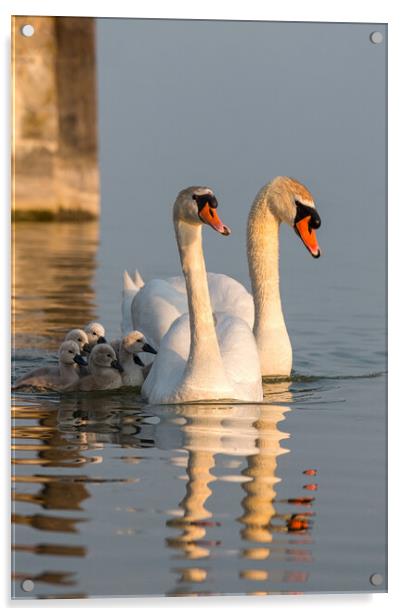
<point x="315" y="221"/>
<point x="195" y="197"/>
<point x="109" y="355"/>
<point x="94" y="333"/>
<point x="70" y="351"/>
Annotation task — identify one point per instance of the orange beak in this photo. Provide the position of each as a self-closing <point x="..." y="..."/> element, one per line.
<point x="209" y="215"/>
<point x="308" y="236"/>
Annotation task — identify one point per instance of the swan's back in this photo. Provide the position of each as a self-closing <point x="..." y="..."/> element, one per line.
<point x="160" y="302"/>
<point x="226" y="294"/>
<point x="41" y="378"/>
<point x="156" y="306"/>
<point x="230" y="296"/>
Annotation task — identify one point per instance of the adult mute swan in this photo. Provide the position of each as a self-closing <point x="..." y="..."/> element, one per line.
<point x="202" y="358"/>
<point x="153" y="306"/>
<point x="281" y="200"/>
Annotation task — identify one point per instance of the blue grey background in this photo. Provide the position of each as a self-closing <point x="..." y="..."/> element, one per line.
<point x="231" y="105"/>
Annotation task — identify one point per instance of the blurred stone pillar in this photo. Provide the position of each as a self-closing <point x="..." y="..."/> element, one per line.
<point x="55" y="162"/>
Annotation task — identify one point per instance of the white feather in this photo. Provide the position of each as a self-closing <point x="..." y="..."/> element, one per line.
<point x="129" y="291"/>
<point x="161" y="301"/>
<point x="239" y="357"/>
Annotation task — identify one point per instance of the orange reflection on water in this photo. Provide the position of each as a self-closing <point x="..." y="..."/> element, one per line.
<point x="52" y="282"/>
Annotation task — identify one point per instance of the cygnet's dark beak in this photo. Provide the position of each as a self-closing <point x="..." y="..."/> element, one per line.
<point x="148" y="349"/>
<point x="138" y="360"/>
<point x="87" y="348"/>
<point x="80" y="360"/>
<point x="116" y="364"/>
<point x="101" y="340"/>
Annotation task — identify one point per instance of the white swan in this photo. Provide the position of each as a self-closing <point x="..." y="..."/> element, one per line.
<point x="152" y="307"/>
<point x="199" y="359"/>
<point x="281" y="200"/>
<point x="58" y="378"/>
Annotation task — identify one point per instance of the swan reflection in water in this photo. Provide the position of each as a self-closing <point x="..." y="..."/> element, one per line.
<point x="249" y="433"/>
<point x="229" y="515"/>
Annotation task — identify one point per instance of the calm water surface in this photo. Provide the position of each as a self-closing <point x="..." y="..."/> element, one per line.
<point x="115" y="497"/>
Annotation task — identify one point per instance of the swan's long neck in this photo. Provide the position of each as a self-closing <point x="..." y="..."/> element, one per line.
<point x="205" y="364"/>
<point x="263" y="255"/>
